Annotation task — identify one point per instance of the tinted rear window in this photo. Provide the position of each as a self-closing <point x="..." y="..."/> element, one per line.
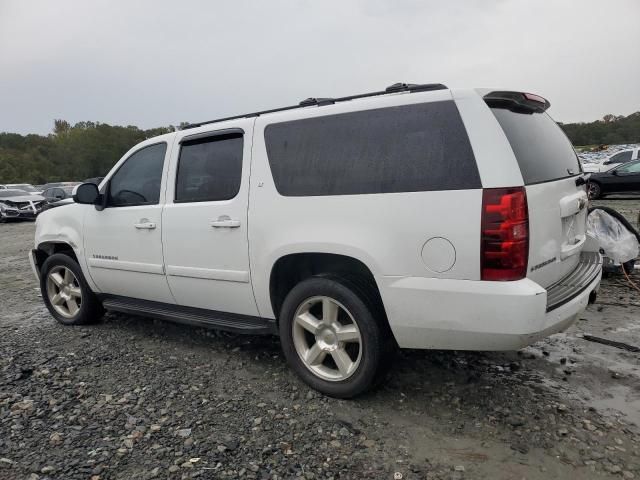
<point x="543" y="151"/>
<point x="410" y="148"/>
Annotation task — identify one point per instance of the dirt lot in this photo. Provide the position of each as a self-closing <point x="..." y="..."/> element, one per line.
<point x="138" y="398"/>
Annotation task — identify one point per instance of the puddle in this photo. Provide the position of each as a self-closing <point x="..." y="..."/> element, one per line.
<point x="619" y="399"/>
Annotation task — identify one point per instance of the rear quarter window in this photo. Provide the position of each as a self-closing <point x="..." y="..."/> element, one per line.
<point x="543" y="151"/>
<point x="421" y="147"/>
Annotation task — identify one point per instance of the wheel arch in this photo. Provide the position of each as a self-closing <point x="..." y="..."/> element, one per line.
<point x="47" y="248"/>
<point x="289" y="270"/>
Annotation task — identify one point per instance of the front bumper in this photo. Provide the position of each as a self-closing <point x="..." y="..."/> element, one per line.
<point x="19" y="214"/>
<point x="478" y="315"/>
<point x="34" y="265"/>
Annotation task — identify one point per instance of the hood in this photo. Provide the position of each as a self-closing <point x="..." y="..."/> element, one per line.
<point x="23" y="198"/>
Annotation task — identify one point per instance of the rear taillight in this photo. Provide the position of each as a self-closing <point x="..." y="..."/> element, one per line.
<point x="504" y="243"/>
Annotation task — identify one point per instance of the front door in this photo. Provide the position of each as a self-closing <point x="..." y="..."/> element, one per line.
<point x="628" y="178"/>
<point x="204" y="232"/>
<point x="123" y="242"/>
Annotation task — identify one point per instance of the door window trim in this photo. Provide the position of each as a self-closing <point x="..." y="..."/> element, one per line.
<point x="201" y="136"/>
<point x="107" y="184"/>
<point x="212" y="133"/>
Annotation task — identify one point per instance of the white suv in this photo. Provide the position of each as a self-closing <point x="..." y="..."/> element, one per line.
<point x="418" y="217"/>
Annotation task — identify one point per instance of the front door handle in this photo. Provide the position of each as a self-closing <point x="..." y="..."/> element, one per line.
<point x="145" y="224"/>
<point x="225" y="221"/>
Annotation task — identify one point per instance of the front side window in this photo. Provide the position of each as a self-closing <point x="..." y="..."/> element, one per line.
<point x="631" y="168"/>
<point x="409" y="148"/>
<point x="209" y="169"/>
<point x="137" y="181"/>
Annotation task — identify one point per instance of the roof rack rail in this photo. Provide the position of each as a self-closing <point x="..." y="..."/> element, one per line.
<point x="311" y="101"/>
<point x="316" y="101"/>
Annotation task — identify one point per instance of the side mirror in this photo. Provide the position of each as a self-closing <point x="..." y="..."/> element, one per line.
<point x="615" y="172"/>
<point x="87" y="193"/>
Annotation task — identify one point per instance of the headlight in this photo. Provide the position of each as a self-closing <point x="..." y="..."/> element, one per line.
<point x="6" y="208"/>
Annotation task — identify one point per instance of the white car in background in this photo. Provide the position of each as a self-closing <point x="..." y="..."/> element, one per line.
<point x="25" y="187"/>
<point x="612" y="161"/>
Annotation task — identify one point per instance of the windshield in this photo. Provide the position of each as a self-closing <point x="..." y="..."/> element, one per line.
<point x="24" y="186"/>
<point x="12" y="193"/>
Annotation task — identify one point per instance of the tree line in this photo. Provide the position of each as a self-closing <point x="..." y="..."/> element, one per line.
<point x="90" y="149"/>
<point x="70" y="153"/>
<point x="611" y="130"/>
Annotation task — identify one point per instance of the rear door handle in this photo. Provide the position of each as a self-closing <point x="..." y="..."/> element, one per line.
<point x="144" y="225"/>
<point x="225" y="221"/>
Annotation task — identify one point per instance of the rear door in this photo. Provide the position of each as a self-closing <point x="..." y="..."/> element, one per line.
<point x="204" y="234"/>
<point x="556" y="202"/>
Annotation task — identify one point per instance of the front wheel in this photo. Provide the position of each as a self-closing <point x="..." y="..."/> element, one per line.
<point x="330" y="337"/>
<point x="594" y="191"/>
<point x="66" y="293"/>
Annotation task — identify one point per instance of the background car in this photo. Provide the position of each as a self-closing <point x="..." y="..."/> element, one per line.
<point x="26" y="187"/>
<point x="18" y="204"/>
<point x="624" y="178"/>
<point x="94" y="180"/>
<point x="614" y="160"/>
<point x="46" y="186"/>
<point x="58" y="196"/>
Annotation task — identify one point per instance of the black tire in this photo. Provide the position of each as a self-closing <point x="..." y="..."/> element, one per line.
<point x="594" y="190"/>
<point x="90" y="310"/>
<point x="373" y="344"/>
<point x="629" y="266"/>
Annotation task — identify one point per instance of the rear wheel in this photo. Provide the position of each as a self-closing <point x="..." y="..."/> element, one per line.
<point x="331" y="338"/>
<point x="594" y="190"/>
<point x="66" y="293"/>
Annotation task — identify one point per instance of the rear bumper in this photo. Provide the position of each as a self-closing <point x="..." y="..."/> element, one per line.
<point x="475" y="315"/>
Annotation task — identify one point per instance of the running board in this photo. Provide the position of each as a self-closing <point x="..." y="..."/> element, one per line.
<point x="199" y="317"/>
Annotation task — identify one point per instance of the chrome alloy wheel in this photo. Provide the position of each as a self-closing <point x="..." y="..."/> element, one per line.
<point x="64" y="292"/>
<point x="327" y="338"/>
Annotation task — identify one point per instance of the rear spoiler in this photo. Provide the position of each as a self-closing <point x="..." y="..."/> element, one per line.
<point x="517" y="101"/>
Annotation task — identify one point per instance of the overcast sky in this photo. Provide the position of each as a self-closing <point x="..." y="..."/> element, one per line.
<point x="154" y="63"/>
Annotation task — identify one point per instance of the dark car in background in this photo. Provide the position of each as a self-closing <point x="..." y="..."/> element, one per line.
<point x="54" y="194"/>
<point x="58" y="196"/>
<point x="94" y="180"/>
<point x="18" y="204"/>
<point x="46" y="186"/>
<point x="622" y="179"/>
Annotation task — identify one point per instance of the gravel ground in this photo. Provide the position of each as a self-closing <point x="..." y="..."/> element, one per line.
<point x="139" y="398"/>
